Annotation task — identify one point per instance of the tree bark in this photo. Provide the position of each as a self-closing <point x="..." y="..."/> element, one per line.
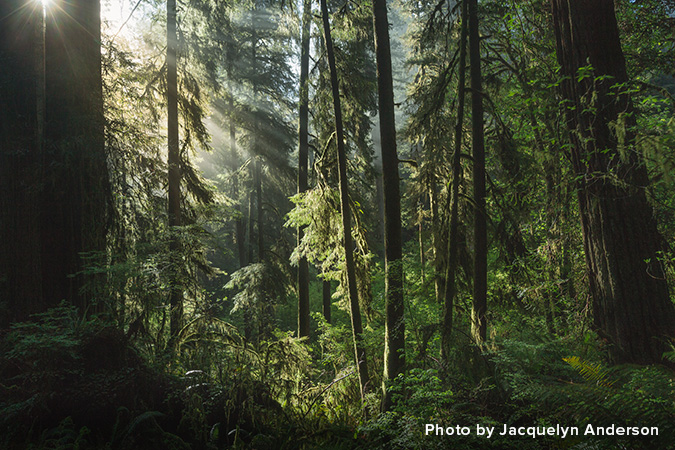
<point x="240" y="224"/>
<point x="479" y="306"/>
<point x="439" y="238"/>
<point x="21" y="146"/>
<point x="453" y="245"/>
<point x="394" y="343"/>
<point x="347" y="241"/>
<point x="251" y="221"/>
<point x="326" y="300"/>
<point x="303" y="152"/>
<point x="174" y="208"/>
<point x="259" y="206"/>
<point x="76" y="195"/>
<point x="420" y="240"/>
<point x="631" y="306"/>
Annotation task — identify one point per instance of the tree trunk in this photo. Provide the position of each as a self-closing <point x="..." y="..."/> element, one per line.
<point x="326" y="300"/>
<point x="251" y="221"/>
<point x="420" y="240"/>
<point x="303" y="152"/>
<point x="259" y="205"/>
<point x="552" y="295"/>
<point x="479" y="306"/>
<point x="439" y="237"/>
<point x="566" y="274"/>
<point x="76" y="195"/>
<point x="175" y="218"/>
<point x="631" y="306"/>
<point x="240" y="224"/>
<point x="266" y="309"/>
<point x="21" y="147"/>
<point x="394" y="343"/>
<point x="347" y="241"/>
<point x="453" y="245"/>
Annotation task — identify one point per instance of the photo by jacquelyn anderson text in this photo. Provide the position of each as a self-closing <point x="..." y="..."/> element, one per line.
<point x="539" y="430"/>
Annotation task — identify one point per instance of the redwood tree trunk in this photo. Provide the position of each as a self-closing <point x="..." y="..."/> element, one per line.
<point x="21" y="138"/>
<point x="631" y="306"/>
<point x="479" y="306"/>
<point x="76" y="194"/>
<point x="240" y="223"/>
<point x="303" y="151"/>
<point x="259" y="209"/>
<point x="453" y="245"/>
<point x="326" y="300"/>
<point x="394" y="342"/>
<point x="175" y="218"/>
<point x="251" y="216"/>
<point x="347" y="240"/>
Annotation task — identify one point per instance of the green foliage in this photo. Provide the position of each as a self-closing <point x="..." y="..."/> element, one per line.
<point x="44" y="347"/>
<point x="63" y="377"/>
<point x="423" y="392"/>
<point x="318" y="211"/>
<point x="424" y="397"/>
<point x="592" y="372"/>
<point x="238" y="379"/>
<point x="64" y="437"/>
<point x="621" y="396"/>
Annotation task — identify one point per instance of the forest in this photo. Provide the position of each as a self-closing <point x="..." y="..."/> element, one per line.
<point x="337" y="224"/>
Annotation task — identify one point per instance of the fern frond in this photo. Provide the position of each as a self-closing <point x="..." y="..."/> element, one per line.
<point x="592" y="372"/>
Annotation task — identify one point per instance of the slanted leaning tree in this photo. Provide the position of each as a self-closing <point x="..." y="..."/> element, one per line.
<point x="347" y="240"/>
<point x="631" y="306"/>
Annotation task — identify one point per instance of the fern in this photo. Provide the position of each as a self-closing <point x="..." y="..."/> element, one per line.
<point x="621" y="396"/>
<point x="592" y="372"/>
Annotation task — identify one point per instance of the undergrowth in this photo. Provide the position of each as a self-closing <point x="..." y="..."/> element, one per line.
<point x="73" y="383"/>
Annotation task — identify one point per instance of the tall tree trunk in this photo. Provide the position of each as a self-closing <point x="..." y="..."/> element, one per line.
<point x="453" y="245"/>
<point x="394" y="343"/>
<point x="175" y="217"/>
<point x="326" y="300"/>
<point x="21" y="146"/>
<point x="255" y="152"/>
<point x="479" y="306"/>
<point x="259" y="206"/>
<point x="347" y="241"/>
<point x="266" y="309"/>
<point x="566" y="274"/>
<point x="240" y="224"/>
<point x="420" y="240"/>
<point x="549" y="296"/>
<point x="243" y="243"/>
<point x="251" y="221"/>
<point x="76" y="194"/>
<point x="379" y="195"/>
<point x="631" y="306"/>
<point x="303" y="152"/>
<point x="438" y="239"/>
